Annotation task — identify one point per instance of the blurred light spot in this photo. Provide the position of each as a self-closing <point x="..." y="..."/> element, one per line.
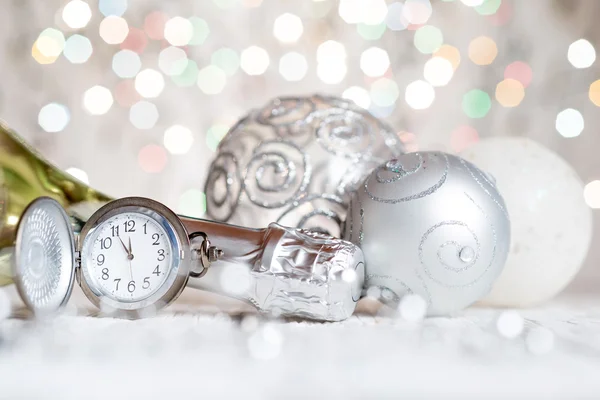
<point x="149" y="83"/>
<point x="510" y="93"/>
<point x="126" y="64"/>
<point x="172" y="60"/>
<point x="212" y="79"/>
<point x="417" y="12"/>
<point x="200" y="31"/>
<point x="188" y="77"/>
<point x="581" y="54"/>
<point x="54" y="117"/>
<point x="412" y="308"/>
<point x="227" y="59"/>
<point x="143" y="115"/>
<point x="125" y="93"/>
<point x="254" y="60"/>
<point x="235" y="279"/>
<point x="39" y="57"/>
<point x="11" y="220"/>
<point x="215" y="134"/>
<point x="79" y="174"/>
<point x="178" y="139"/>
<point x="374" y="61"/>
<point x="152" y="158"/>
<point x="488" y="7"/>
<point x="472" y="3"/>
<point x="569" y="123"/>
<point x="76" y="14"/>
<point x="136" y="40"/>
<point x="50" y="42"/>
<point x="288" y="28"/>
<point x="331" y="51"/>
<point x="374" y="12"/>
<point x="97" y="100"/>
<point x="591" y="193"/>
<point x="384" y="92"/>
<point x="428" y="39"/>
<point x="510" y="324"/>
<point x="483" y="50"/>
<point x="395" y="19"/>
<point x="519" y="71"/>
<point x="113" y="29"/>
<point x="179" y="31"/>
<point x="332" y="72"/>
<point x="349" y="275"/>
<point x="350" y="11"/>
<point x="438" y="71"/>
<point x="358" y="95"/>
<point x="419" y="95"/>
<point x="502" y="15"/>
<point x="463" y="137"/>
<point x="265" y="343"/>
<point x="409" y="140"/>
<point x="293" y="66"/>
<point x="540" y="341"/>
<point x="112" y="7"/>
<point x="476" y="103"/>
<point x="78" y="49"/>
<point x="594" y="93"/>
<point x="154" y="25"/>
<point x="450" y="53"/>
<point x="371" y="32"/>
<point x="192" y="203"/>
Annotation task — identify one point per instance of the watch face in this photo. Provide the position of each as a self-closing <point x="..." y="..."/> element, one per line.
<point x="132" y="255"/>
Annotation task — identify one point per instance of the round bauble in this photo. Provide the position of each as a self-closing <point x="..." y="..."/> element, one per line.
<point x="296" y="161"/>
<point x="430" y="224"/>
<point x="551" y="224"/>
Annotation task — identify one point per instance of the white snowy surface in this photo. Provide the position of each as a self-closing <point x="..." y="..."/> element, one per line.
<point x="186" y="353"/>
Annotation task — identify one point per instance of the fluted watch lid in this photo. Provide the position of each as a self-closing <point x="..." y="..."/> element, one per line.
<point x="44" y="261"/>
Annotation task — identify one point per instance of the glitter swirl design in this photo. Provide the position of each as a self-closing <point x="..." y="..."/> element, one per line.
<point x="345" y="133"/>
<point x="277" y="173"/>
<point x="297" y="160"/>
<point x="406" y="172"/>
<point x="41" y="258"/>
<point x="321" y="213"/>
<point x="224" y="186"/>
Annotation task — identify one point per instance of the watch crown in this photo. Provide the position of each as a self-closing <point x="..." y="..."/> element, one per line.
<point x="214" y="254"/>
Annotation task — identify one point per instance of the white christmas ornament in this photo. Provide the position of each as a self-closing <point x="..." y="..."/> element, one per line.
<point x="296" y="161"/>
<point x="431" y="224"/>
<point x="551" y="224"/>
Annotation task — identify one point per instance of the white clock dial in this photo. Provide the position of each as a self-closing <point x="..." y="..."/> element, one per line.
<point x="129" y="257"/>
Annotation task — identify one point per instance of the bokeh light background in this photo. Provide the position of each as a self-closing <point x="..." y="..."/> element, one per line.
<point x="134" y="96"/>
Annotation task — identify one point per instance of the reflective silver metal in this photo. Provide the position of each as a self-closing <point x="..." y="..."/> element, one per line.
<point x="44" y="264"/>
<point x="283" y="271"/>
<point x="296" y="161"/>
<point x="432" y="224"/>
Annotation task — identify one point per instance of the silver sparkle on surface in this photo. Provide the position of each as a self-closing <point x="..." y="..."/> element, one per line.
<point x="44" y="256"/>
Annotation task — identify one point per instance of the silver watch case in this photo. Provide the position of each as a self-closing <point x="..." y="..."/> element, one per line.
<point x="47" y="260"/>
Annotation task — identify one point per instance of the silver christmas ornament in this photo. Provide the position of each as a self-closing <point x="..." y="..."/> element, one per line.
<point x="296" y="161"/>
<point x="431" y="224"/>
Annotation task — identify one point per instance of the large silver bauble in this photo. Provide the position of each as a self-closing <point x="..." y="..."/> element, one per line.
<point x="432" y="224"/>
<point x="296" y="162"/>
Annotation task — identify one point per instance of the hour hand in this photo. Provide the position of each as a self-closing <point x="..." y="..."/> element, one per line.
<point x="125" y="247"/>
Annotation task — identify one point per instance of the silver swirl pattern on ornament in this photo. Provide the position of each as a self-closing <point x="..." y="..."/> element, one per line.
<point x="320" y="213"/>
<point x="406" y="173"/>
<point x="278" y="172"/>
<point x="345" y="133"/>
<point x="481" y="177"/>
<point x="460" y="262"/>
<point x="223" y="186"/>
<point x="41" y="259"/>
